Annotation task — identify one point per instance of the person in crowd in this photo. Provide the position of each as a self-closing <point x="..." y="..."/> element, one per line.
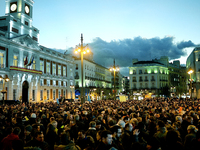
<point x="38" y="141"/>
<point x="116" y="134"/>
<point x="106" y="141"/>
<point x="66" y="143"/>
<point x="192" y="130"/>
<point x="6" y="143"/>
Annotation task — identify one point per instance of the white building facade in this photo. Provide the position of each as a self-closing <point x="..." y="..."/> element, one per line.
<point x="36" y="73"/>
<point x="147" y="77"/>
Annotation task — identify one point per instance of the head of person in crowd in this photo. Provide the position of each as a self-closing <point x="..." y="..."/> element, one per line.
<point x="116" y="131"/>
<point x="121" y="123"/>
<point x="76" y="117"/>
<point x="126" y="119"/>
<point x="179" y="118"/>
<point x="39" y="136"/>
<point x="106" y="137"/>
<point x="161" y="126"/>
<point x="189" y="119"/>
<point x="16" y="131"/>
<point x="192" y="129"/>
<point x="81" y="134"/>
<point x="92" y="124"/>
<point x="134" y="122"/>
<point x="54" y="123"/>
<point x="128" y="127"/>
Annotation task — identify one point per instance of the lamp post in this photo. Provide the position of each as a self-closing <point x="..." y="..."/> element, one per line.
<point x="83" y="50"/>
<point x="190" y="71"/>
<point x="5" y="79"/>
<point x="114" y="69"/>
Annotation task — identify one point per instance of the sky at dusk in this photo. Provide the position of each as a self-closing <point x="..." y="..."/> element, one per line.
<point x="119" y="29"/>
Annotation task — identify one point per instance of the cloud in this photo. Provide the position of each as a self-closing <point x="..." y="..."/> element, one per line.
<point x="184" y="44"/>
<point x="123" y="51"/>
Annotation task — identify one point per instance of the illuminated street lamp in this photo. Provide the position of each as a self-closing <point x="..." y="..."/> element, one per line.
<point x="83" y="50"/>
<point x="5" y="79"/>
<point x="190" y="71"/>
<point x="114" y="69"/>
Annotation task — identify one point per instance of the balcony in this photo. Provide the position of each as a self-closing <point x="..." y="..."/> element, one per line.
<point x="153" y="80"/>
<point x="140" y="80"/>
<point x="134" y="80"/>
<point x="146" y="80"/>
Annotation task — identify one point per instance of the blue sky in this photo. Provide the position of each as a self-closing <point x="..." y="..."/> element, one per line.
<point x="128" y="28"/>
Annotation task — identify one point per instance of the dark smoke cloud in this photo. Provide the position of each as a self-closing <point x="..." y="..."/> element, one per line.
<point x="123" y="51"/>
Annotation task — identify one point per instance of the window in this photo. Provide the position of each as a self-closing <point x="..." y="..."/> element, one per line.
<point x="48" y="68"/>
<point x="14" y="94"/>
<point x="146" y="85"/>
<point x="134" y="71"/>
<point x="140" y="85"/>
<point x="41" y="94"/>
<point x="134" y="79"/>
<point x="54" y="69"/>
<point x="59" y="83"/>
<point x="15" y="60"/>
<point x="64" y="84"/>
<point x="146" y="78"/>
<point x="1" y="60"/>
<point x="140" y="71"/>
<point x="141" y="78"/>
<point x="64" y="93"/>
<point x="59" y="70"/>
<point x="42" y="66"/>
<point x="34" y="65"/>
<point x="48" y="82"/>
<point x="41" y="82"/>
<point x="76" y="66"/>
<point x="64" y="71"/>
<point x="47" y="94"/>
<point x="145" y="71"/>
<point x="59" y="94"/>
<point x="54" y="83"/>
<point x="33" y="95"/>
<point x="54" y="94"/>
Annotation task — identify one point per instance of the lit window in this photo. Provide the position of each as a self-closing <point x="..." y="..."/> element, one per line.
<point x="59" y="70"/>
<point x="47" y="94"/>
<point x="64" y="71"/>
<point x="15" y="60"/>
<point x="48" y="68"/>
<point x="41" y="94"/>
<point x="54" y="69"/>
<point x="1" y="60"/>
<point x="42" y="66"/>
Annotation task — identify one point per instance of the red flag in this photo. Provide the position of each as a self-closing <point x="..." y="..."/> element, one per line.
<point x="26" y="61"/>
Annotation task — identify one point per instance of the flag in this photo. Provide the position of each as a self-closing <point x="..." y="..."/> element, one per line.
<point x="31" y="61"/>
<point x="26" y="61"/>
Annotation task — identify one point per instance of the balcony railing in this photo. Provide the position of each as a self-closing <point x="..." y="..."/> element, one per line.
<point x="153" y="80"/>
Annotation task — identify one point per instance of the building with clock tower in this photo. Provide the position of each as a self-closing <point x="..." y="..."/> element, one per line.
<point x="36" y="73"/>
<point x="18" y="19"/>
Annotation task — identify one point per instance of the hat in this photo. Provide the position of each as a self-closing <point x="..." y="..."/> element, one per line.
<point x="33" y="115"/>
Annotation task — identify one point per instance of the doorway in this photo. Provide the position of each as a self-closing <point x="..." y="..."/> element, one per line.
<point x="25" y="87"/>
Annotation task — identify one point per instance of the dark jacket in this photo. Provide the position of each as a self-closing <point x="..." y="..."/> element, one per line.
<point x="70" y="146"/>
<point x="36" y="143"/>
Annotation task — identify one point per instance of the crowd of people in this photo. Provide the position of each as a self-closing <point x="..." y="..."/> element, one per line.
<point x="149" y="124"/>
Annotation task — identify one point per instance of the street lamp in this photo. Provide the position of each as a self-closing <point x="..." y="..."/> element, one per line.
<point x="5" y="79"/>
<point x="83" y="50"/>
<point x="190" y="71"/>
<point x="114" y="69"/>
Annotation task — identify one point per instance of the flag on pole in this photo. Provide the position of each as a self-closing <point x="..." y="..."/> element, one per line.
<point x="31" y="61"/>
<point x="26" y="61"/>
